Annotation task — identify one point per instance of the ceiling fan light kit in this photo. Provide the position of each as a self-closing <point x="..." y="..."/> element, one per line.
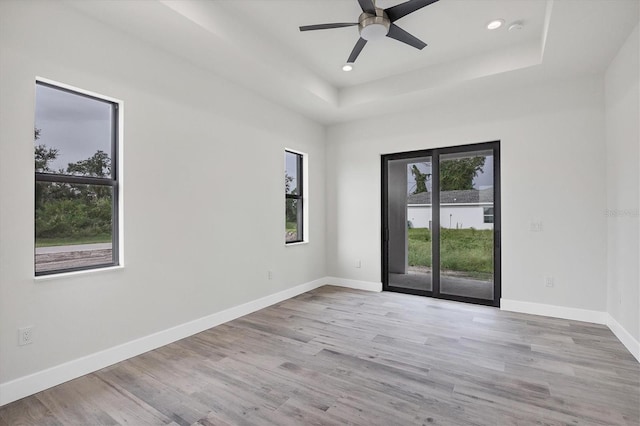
<point x="374" y="27"/>
<point x="375" y="23"/>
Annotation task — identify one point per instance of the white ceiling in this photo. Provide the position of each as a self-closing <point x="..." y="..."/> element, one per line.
<point x="452" y="29"/>
<point x="257" y="44"/>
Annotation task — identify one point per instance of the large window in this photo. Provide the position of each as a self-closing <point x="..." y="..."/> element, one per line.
<point x="294" y="197"/>
<point x="76" y="184"/>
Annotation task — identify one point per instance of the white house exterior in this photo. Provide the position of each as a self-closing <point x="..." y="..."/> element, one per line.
<point x="458" y="209"/>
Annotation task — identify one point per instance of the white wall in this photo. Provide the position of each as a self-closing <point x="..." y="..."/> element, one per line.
<point x="451" y="216"/>
<point x="552" y="155"/>
<point x="622" y="94"/>
<point x="199" y="153"/>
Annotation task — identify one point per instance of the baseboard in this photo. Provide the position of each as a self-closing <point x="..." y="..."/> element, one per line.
<point x="576" y="314"/>
<point x="624" y="336"/>
<point x="596" y="317"/>
<point x="33" y="383"/>
<point x="355" y="284"/>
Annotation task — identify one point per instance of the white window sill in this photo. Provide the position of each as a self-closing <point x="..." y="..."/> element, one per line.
<point x="300" y="243"/>
<point x="76" y="273"/>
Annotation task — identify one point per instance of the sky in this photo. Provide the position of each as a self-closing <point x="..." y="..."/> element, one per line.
<point x="76" y="125"/>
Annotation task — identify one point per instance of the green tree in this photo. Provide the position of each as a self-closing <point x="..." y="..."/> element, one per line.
<point x="98" y="165"/>
<point x="458" y="174"/>
<point x="421" y="179"/>
<point x="291" y="206"/>
<point x="67" y="210"/>
<point x="43" y="155"/>
<point x="287" y="184"/>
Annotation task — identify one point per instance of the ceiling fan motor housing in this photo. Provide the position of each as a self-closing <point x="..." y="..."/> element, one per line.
<point x="375" y="24"/>
<point x="374" y="27"/>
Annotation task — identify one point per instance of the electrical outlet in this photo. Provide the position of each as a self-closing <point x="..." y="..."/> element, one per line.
<point x="270" y="275"/>
<point x="25" y="335"/>
<point x="548" y="281"/>
<point x="358" y="264"/>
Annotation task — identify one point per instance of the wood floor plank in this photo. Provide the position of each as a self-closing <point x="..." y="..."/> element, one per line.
<point x="123" y="407"/>
<point x="337" y="356"/>
<point x="27" y="411"/>
<point x="168" y="400"/>
<point x="71" y="405"/>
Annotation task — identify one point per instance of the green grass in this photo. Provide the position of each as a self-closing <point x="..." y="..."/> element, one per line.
<point x="291" y="226"/>
<point x="462" y="250"/>
<point x="419" y="247"/>
<point x="67" y="241"/>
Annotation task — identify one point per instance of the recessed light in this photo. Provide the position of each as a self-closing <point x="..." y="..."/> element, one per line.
<point x="518" y="25"/>
<point x="347" y="68"/>
<point x="495" y="24"/>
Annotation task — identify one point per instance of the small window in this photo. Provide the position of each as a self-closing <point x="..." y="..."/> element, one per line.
<point x="76" y="184"/>
<point x="294" y="197"/>
<point x="488" y="214"/>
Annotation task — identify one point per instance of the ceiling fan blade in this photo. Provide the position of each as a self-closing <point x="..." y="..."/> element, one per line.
<point x="397" y="33"/>
<point x="356" y="50"/>
<point x="403" y="9"/>
<point x="368" y="6"/>
<point x="327" y="26"/>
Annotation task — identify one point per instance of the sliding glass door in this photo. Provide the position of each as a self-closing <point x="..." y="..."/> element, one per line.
<point x="441" y="223"/>
<point x="409" y="223"/>
<point x="467" y="239"/>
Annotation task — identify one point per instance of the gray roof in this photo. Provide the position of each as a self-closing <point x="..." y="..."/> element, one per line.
<point x="465" y="196"/>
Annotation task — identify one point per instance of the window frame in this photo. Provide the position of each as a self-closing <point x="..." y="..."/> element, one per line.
<point x="112" y="181"/>
<point x="300" y="197"/>
<point x="485" y="215"/>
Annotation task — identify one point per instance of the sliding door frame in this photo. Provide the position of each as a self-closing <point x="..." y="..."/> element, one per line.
<point x="435" y="217"/>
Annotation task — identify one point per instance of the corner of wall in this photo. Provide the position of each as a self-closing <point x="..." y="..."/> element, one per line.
<point x="624" y="336"/>
<point x="622" y="141"/>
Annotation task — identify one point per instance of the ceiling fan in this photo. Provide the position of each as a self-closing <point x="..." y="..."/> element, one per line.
<point x="375" y="23"/>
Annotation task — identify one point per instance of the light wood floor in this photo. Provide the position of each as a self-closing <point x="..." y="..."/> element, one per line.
<point x="339" y="356"/>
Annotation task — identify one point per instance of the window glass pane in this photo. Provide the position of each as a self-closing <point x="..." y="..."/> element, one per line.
<point x="74" y="226"/>
<point x="291" y="173"/>
<point x="73" y="133"/>
<point x="293" y="215"/>
<point x="488" y="215"/>
<point x="409" y="216"/>
<point x="466" y="237"/>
